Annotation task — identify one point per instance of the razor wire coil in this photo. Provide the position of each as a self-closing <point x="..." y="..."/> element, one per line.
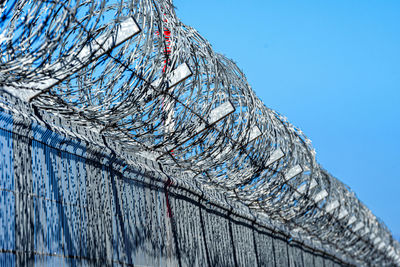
<point x="134" y="72"/>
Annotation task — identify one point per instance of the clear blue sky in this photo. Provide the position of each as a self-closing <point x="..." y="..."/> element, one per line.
<point x="331" y="67"/>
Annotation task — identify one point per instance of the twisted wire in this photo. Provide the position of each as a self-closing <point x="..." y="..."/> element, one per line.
<point x="160" y="90"/>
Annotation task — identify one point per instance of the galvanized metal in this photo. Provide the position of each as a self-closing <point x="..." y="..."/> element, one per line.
<point x="132" y="71"/>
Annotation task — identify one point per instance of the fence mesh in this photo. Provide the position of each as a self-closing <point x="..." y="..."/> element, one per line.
<point x="68" y="201"/>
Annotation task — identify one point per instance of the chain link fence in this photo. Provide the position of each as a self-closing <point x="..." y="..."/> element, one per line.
<point x="68" y="199"/>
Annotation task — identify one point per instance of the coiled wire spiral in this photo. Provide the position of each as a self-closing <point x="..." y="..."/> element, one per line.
<point x="132" y="71"/>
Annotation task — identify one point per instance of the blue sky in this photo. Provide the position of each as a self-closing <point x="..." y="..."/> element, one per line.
<point x="332" y="68"/>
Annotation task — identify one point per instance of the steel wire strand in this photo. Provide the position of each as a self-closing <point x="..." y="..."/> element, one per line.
<point x="125" y="92"/>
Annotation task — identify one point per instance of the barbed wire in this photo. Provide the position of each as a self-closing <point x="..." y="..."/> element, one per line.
<point x="134" y="72"/>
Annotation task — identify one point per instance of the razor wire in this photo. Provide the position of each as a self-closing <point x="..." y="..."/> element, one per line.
<point x="132" y="71"/>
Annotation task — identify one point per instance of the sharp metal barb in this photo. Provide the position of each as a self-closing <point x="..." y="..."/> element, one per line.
<point x="155" y="86"/>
